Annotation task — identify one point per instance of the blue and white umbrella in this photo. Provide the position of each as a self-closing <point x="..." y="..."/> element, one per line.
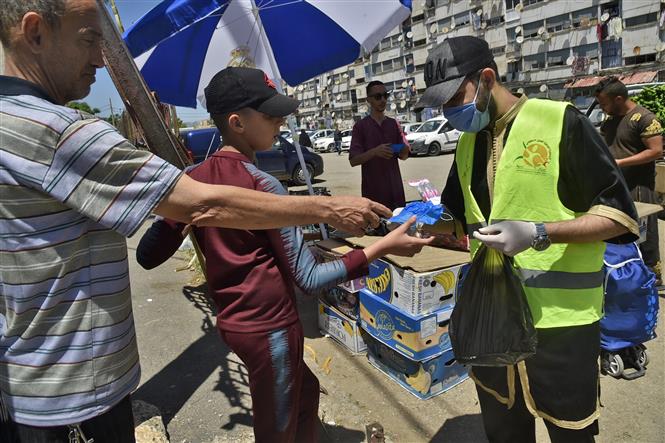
<point x="180" y="44"/>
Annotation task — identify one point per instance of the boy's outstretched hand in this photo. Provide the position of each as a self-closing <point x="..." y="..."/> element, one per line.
<point x="398" y="242"/>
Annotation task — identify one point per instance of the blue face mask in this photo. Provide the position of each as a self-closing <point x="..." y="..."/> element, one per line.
<point x="467" y="118"/>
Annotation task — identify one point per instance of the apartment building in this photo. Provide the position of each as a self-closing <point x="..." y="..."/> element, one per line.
<point x="545" y="48"/>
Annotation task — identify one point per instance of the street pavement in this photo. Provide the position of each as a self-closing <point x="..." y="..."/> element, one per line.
<point x="201" y="387"/>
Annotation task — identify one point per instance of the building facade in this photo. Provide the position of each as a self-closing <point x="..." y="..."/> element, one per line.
<point x="545" y="48"/>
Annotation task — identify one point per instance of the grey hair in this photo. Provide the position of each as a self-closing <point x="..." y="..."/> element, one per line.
<point x="12" y="12"/>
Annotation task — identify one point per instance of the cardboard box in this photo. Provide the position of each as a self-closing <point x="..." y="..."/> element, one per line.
<point x="424" y="283"/>
<point x="332" y="249"/>
<point x="414" y="292"/>
<point x="424" y="379"/>
<point x="343" y="329"/>
<point x="644" y="210"/>
<point x="344" y="301"/>
<point x="416" y="337"/>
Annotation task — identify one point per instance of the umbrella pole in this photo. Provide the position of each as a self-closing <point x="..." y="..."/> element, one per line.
<point x="291" y="119"/>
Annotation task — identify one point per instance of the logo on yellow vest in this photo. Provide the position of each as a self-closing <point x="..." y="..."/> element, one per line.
<point x="380" y="283"/>
<point x="536" y="155"/>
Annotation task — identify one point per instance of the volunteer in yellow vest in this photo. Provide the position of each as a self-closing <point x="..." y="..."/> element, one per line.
<point x="533" y="179"/>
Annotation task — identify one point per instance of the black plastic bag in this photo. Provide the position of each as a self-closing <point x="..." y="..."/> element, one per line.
<point x="491" y="324"/>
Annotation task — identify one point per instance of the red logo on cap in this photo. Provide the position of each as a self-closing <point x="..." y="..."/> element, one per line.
<point x="269" y="82"/>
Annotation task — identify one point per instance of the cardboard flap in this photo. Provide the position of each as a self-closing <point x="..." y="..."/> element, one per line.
<point x="428" y="259"/>
<point x="647" y="209"/>
<point x="336" y="246"/>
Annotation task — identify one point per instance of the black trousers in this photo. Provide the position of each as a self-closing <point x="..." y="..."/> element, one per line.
<point x="561" y="380"/>
<point x="114" y="426"/>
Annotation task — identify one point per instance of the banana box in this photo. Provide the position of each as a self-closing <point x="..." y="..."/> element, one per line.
<point x="343" y="329"/>
<point x="342" y="300"/>
<point x="332" y="249"/>
<point x="424" y="379"/>
<point x="417" y="337"/>
<point x="414" y="292"/>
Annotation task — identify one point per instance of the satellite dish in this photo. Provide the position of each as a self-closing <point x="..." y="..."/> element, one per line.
<point x="605" y="17"/>
<point x="452" y="25"/>
<point x="400" y="38"/>
<point x="346" y="75"/>
<point x="309" y="118"/>
<point x="301" y="87"/>
<point x="329" y="80"/>
<point x="318" y="101"/>
<point x="445" y="30"/>
<point x="570" y="60"/>
<point x="333" y="113"/>
<point x="402" y="104"/>
<point x="637" y="50"/>
<point x="519" y="39"/>
<point x="339" y="97"/>
<point x="434" y="28"/>
<point x="519" y="7"/>
<point x="520" y="90"/>
<point x="479" y="12"/>
<point x="518" y="30"/>
<point x="404" y="84"/>
<point x="409" y="34"/>
<point x="541" y="30"/>
<point x="410" y="82"/>
<point x="542" y="88"/>
<point x="545" y="36"/>
<point x="393" y="106"/>
<point x="483" y="25"/>
<point x="660" y="47"/>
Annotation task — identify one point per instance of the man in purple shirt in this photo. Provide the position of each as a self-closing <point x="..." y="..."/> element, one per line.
<point x="373" y="146"/>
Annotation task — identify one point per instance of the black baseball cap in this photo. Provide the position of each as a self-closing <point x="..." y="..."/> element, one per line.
<point x="233" y="89"/>
<point x="448" y="64"/>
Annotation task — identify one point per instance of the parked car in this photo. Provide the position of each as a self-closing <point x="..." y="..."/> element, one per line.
<point x="409" y="127"/>
<point x="281" y="161"/>
<point x="433" y="137"/>
<point x="327" y="144"/>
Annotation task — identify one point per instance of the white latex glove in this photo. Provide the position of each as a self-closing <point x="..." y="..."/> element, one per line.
<point x="509" y="237"/>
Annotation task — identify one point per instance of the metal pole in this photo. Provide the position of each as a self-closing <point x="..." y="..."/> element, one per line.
<point x="291" y="119"/>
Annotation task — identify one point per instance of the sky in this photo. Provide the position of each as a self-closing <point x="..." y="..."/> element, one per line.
<point x="104" y="89"/>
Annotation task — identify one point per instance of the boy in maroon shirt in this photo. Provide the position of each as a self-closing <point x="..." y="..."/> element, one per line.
<point x="251" y="273"/>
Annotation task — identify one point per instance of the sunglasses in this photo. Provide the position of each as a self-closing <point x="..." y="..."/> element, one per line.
<point x="380" y="96"/>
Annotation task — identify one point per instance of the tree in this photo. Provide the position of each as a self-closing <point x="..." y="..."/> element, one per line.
<point x="83" y="106"/>
<point x="653" y="98"/>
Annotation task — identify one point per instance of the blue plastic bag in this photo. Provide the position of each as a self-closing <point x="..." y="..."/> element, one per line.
<point x="631" y="299"/>
<point x="426" y="212"/>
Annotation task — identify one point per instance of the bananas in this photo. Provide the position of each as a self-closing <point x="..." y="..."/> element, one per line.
<point x="446" y="279"/>
<point x="421" y="381"/>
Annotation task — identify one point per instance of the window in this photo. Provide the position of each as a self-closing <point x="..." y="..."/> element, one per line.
<point x="611" y="51"/>
<point x="495" y="21"/>
<point x="531" y="2"/>
<point x="511" y="34"/>
<point x="510" y="4"/>
<point x="536" y="61"/>
<point x="557" y="58"/>
<point x="418" y="18"/>
<point x="588" y="51"/>
<point x="409" y="63"/>
<point x="583" y="17"/>
<point x="531" y="29"/>
<point x="558" y="23"/>
<point x="498" y="50"/>
<point x="636" y="60"/>
<point x="462" y="19"/>
<point x="352" y="73"/>
<point x="642" y="19"/>
<point x="376" y="68"/>
<point x="419" y="43"/>
<point x="387" y="65"/>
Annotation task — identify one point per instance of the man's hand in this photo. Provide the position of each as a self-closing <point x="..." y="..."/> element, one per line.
<point x="355" y="214"/>
<point x="509" y="237"/>
<point x="398" y="242"/>
<point x="383" y="151"/>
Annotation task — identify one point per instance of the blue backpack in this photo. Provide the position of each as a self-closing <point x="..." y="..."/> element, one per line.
<point x="631" y="299"/>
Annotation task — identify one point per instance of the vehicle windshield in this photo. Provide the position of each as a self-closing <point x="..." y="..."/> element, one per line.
<point x="430" y="126"/>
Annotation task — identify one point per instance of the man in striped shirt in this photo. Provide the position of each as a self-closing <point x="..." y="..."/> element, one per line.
<point x="71" y="189"/>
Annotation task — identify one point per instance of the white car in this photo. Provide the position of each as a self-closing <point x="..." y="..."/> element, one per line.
<point x="435" y="136"/>
<point x="409" y="127"/>
<point x="327" y="144"/>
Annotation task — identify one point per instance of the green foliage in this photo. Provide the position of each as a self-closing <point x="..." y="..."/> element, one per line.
<point x="653" y="98"/>
<point x="83" y="106"/>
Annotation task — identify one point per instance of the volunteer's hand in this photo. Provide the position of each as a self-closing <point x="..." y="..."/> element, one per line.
<point x="509" y="237"/>
<point x="355" y="214"/>
<point x="383" y="151"/>
<point x="398" y="242"/>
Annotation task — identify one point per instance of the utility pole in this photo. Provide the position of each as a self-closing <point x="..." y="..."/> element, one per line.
<point x="112" y="113"/>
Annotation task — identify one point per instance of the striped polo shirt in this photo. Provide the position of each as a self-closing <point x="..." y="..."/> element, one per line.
<point x="71" y="189"/>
